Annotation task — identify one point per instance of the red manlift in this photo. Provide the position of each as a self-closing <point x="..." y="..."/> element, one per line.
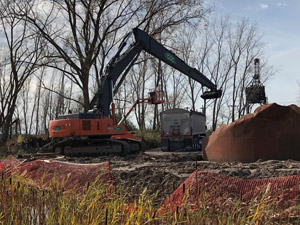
<point x="154" y="97"/>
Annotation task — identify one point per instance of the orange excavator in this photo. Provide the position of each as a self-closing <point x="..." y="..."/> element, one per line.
<point x="96" y="131"/>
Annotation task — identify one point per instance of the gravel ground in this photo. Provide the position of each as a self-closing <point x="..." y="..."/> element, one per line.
<point x="161" y="173"/>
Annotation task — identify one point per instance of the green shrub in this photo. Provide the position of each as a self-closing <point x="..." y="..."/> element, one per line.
<point x="151" y="138"/>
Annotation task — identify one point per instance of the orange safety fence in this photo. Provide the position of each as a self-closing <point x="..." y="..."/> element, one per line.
<point x="217" y="189"/>
<point x="42" y="171"/>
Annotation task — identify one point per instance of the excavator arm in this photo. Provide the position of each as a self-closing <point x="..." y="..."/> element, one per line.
<point x="121" y="61"/>
<point x="157" y="50"/>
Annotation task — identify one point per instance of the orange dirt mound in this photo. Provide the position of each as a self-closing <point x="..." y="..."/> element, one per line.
<point x="271" y="132"/>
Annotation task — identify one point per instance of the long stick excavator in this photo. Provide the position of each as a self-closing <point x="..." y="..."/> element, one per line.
<point x="96" y="131"/>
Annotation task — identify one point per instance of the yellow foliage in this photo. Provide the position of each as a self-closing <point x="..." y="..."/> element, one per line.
<point x="20" y="138"/>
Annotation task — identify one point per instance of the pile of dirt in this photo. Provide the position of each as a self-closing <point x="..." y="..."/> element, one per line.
<point x="271" y="132"/>
<point x="158" y="175"/>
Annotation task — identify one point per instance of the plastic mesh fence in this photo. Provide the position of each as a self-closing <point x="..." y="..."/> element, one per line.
<point x="217" y="189"/>
<point x="42" y="171"/>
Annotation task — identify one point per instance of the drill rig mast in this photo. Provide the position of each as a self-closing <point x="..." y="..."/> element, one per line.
<point x="255" y="91"/>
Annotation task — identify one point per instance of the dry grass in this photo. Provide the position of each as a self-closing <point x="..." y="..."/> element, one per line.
<point x="23" y="203"/>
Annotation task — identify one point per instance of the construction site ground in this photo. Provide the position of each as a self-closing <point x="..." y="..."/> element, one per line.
<point x="160" y="173"/>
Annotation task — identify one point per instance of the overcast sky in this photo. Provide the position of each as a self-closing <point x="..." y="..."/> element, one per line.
<point x="279" y="21"/>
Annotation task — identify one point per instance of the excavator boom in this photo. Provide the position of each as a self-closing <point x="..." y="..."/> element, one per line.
<point x="144" y="42"/>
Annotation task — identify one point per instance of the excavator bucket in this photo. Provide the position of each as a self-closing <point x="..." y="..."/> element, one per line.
<point x="211" y="94"/>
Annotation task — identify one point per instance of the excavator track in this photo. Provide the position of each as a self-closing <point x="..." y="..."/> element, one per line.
<point x="87" y="147"/>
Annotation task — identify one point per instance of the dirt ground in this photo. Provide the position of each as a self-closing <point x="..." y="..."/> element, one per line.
<point x="161" y="173"/>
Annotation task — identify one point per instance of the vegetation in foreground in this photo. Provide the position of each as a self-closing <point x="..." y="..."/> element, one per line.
<point x="22" y="203"/>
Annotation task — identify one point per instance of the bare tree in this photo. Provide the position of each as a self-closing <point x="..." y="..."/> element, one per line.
<point x="244" y="45"/>
<point x="24" y="53"/>
<point x="78" y="32"/>
<point x="83" y="33"/>
<point x="190" y="54"/>
<point x="25" y="100"/>
<point x="37" y="100"/>
<point x="216" y="62"/>
<point x="298" y="97"/>
<point x="162" y="19"/>
<point x="138" y="84"/>
<point x="229" y="60"/>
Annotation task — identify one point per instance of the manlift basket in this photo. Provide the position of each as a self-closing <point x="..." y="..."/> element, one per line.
<point x="156" y="96"/>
